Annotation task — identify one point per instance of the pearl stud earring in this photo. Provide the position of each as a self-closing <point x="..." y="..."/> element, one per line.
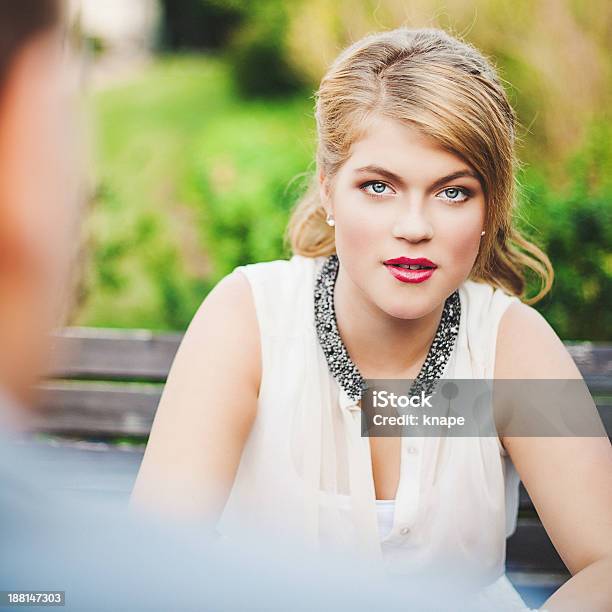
<point x="330" y="220"/>
<point x="482" y="233"/>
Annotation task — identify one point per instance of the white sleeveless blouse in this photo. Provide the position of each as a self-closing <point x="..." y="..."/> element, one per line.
<point x="306" y="471"/>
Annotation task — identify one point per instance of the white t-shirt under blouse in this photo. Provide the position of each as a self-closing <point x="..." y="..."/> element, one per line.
<point x="306" y="470"/>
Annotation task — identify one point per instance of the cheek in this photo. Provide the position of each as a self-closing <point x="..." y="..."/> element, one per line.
<point x="463" y="242"/>
<point x="459" y="235"/>
<point x="358" y="225"/>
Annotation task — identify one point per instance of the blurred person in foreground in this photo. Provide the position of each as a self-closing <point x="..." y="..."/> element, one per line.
<point x="100" y="558"/>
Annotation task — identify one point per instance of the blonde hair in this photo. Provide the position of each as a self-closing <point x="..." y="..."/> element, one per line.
<point x="448" y="90"/>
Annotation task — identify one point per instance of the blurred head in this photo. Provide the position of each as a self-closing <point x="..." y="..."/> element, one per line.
<point x="398" y="112"/>
<point x="37" y="196"/>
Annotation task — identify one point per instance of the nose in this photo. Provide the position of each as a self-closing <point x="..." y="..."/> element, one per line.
<point x="411" y="222"/>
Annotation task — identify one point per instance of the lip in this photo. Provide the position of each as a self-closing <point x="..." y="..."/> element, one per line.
<point x="410" y="276"/>
<point x="419" y="261"/>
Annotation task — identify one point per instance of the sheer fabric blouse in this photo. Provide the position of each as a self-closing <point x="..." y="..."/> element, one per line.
<point x="306" y="473"/>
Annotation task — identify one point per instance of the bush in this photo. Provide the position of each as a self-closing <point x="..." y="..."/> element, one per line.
<point x="259" y="63"/>
<point x="198" y="24"/>
<point x="574" y="227"/>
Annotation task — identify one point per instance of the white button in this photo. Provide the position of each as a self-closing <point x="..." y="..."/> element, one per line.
<point x="405" y="530"/>
<point x="413" y="450"/>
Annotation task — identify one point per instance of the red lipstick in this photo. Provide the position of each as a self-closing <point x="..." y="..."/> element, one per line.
<point x="398" y="269"/>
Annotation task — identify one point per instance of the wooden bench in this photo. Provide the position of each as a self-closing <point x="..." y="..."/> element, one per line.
<point x="107" y="384"/>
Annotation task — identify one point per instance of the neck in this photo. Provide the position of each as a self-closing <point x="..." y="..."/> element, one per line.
<point x="381" y="346"/>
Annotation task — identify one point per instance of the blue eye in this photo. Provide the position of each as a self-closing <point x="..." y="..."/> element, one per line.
<point x="452" y="194"/>
<point x="377" y="186"/>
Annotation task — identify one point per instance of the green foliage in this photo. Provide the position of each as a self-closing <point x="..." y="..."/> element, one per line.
<point x="246" y="182"/>
<point x="574" y="227"/>
<point x="259" y="64"/>
<point x="191" y="183"/>
<point x="194" y="181"/>
<point x="253" y="34"/>
<point x="258" y="55"/>
<point x="198" y="24"/>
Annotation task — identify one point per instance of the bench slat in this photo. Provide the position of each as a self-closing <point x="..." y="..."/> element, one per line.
<point x="116" y="409"/>
<point x="98" y="409"/>
<point x="85" y="352"/>
<point x="530" y="549"/>
<point x="531" y="580"/>
<point x="113" y="354"/>
<point x="591" y="358"/>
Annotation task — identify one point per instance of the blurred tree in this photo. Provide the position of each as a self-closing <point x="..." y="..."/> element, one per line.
<point x="198" y="24"/>
<point x="259" y="63"/>
<point x="574" y="227"/>
<point x="253" y="33"/>
<point x="258" y="53"/>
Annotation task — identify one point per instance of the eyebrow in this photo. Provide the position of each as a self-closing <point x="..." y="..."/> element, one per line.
<point x="400" y="181"/>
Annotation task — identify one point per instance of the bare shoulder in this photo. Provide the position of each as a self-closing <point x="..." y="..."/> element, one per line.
<point x="528" y="347"/>
<point x="567" y="477"/>
<point x="226" y="322"/>
<point x="207" y="407"/>
<point x="232" y="290"/>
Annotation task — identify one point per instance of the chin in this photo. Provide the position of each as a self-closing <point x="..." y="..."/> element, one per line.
<point x="403" y="310"/>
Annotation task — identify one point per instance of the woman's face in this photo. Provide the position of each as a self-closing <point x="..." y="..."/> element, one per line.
<point x="402" y="195"/>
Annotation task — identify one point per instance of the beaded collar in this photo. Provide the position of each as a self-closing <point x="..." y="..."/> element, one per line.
<point x="338" y="360"/>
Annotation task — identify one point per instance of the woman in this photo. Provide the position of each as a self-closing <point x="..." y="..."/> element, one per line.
<point x="259" y="424"/>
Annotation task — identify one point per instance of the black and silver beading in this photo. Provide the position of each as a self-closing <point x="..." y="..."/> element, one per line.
<point x="340" y="364"/>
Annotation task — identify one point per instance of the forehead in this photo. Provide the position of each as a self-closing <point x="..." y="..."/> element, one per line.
<point x="401" y="148"/>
